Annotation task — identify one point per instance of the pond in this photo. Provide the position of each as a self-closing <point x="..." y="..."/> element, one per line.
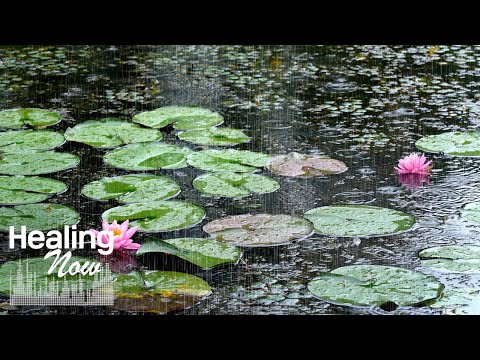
<point x="365" y="106"/>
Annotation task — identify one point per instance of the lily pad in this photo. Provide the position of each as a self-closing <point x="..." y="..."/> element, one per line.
<point x="205" y="253"/>
<point x="29" y="141"/>
<point x="231" y="184"/>
<point x="215" y="136"/>
<point x="132" y="188"/>
<point x="458" y="259"/>
<point x="464" y="301"/>
<point x="148" y="156"/>
<point x="36" y="163"/>
<point x="370" y="285"/>
<point x="15" y="190"/>
<point x="295" y="164"/>
<point x="227" y="160"/>
<point x="158" y="291"/>
<point x="471" y="211"/>
<point x="183" y="118"/>
<point x="259" y="230"/>
<point x="37" y="217"/>
<point x="110" y="132"/>
<point x="465" y="143"/>
<point x="17" y="118"/>
<point x="157" y="216"/>
<point x="358" y="220"/>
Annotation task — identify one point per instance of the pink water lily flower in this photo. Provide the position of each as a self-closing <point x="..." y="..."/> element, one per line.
<point x="414" y="164"/>
<point x="121" y="235"/>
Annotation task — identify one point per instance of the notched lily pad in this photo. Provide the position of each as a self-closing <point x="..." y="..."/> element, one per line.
<point x="148" y="156"/>
<point x="16" y="190"/>
<point x="157" y="216"/>
<point x="17" y="118"/>
<point x="227" y="160"/>
<point x="37" y="217"/>
<point x="158" y="291"/>
<point x="458" y="259"/>
<point x="37" y="163"/>
<point x="110" y="132"/>
<point x="259" y="230"/>
<point x="370" y="285"/>
<point x="205" y="253"/>
<point x="215" y="136"/>
<point x="24" y="141"/>
<point x="295" y="164"/>
<point x="132" y="188"/>
<point x="358" y="220"/>
<point x="231" y="184"/>
<point x="183" y="118"/>
<point x="465" y="143"/>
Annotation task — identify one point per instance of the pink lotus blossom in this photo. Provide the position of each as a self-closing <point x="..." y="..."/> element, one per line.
<point x="121" y="235"/>
<point x="414" y="164"/>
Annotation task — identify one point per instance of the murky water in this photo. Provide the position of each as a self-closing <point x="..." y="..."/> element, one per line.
<point x="364" y="105"/>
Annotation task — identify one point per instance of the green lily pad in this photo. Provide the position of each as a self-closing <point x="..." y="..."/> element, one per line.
<point x="132" y="188"/>
<point x="215" y="136"/>
<point x="227" y="160"/>
<point x="471" y="211"/>
<point x="29" y="141"/>
<point x="110" y="132"/>
<point x="231" y="184"/>
<point x="34" y="275"/>
<point x="453" y="143"/>
<point x="16" y="190"/>
<point x="458" y="259"/>
<point x="37" y="217"/>
<point x="36" y="163"/>
<point x="157" y="216"/>
<point x="358" y="220"/>
<point x="205" y="253"/>
<point x="369" y="285"/>
<point x="183" y="118"/>
<point x="464" y="301"/>
<point x="17" y="118"/>
<point x="148" y="156"/>
<point x="158" y="291"/>
<point x="295" y="164"/>
<point x="259" y="230"/>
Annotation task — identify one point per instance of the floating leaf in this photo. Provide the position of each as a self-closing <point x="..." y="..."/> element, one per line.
<point x="471" y="211"/>
<point x="15" y="190"/>
<point x="183" y="118"/>
<point x="110" y="132"/>
<point x="459" y="259"/>
<point x="465" y="143"/>
<point x="17" y="118"/>
<point x="215" y="136"/>
<point x="158" y="291"/>
<point x="231" y="184"/>
<point x="259" y="230"/>
<point x="227" y="160"/>
<point x="358" y="220"/>
<point x="132" y="188"/>
<point x="157" y="216"/>
<point x="37" y="163"/>
<point x="37" y="217"/>
<point x="29" y="141"/>
<point x="148" y="156"/>
<point x="463" y="301"/>
<point x="369" y="285"/>
<point x="205" y="253"/>
<point x="295" y="164"/>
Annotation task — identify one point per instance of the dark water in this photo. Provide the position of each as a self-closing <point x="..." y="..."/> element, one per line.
<point x="364" y="105"/>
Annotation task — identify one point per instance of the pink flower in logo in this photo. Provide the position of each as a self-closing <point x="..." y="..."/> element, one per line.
<point x="121" y="235"/>
<point x="414" y="164"/>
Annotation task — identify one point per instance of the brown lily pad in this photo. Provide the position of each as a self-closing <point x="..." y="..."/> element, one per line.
<point x="296" y="164"/>
<point x="259" y="230"/>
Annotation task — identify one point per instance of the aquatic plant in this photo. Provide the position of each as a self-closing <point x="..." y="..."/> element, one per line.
<point x="414" y="164"/>
<point x="121" y="235"/>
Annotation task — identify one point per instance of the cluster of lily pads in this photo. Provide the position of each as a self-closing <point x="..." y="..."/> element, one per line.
<point x="27" y="150"/>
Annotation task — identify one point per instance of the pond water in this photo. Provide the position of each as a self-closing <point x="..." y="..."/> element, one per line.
<point x="363" y="105"/>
